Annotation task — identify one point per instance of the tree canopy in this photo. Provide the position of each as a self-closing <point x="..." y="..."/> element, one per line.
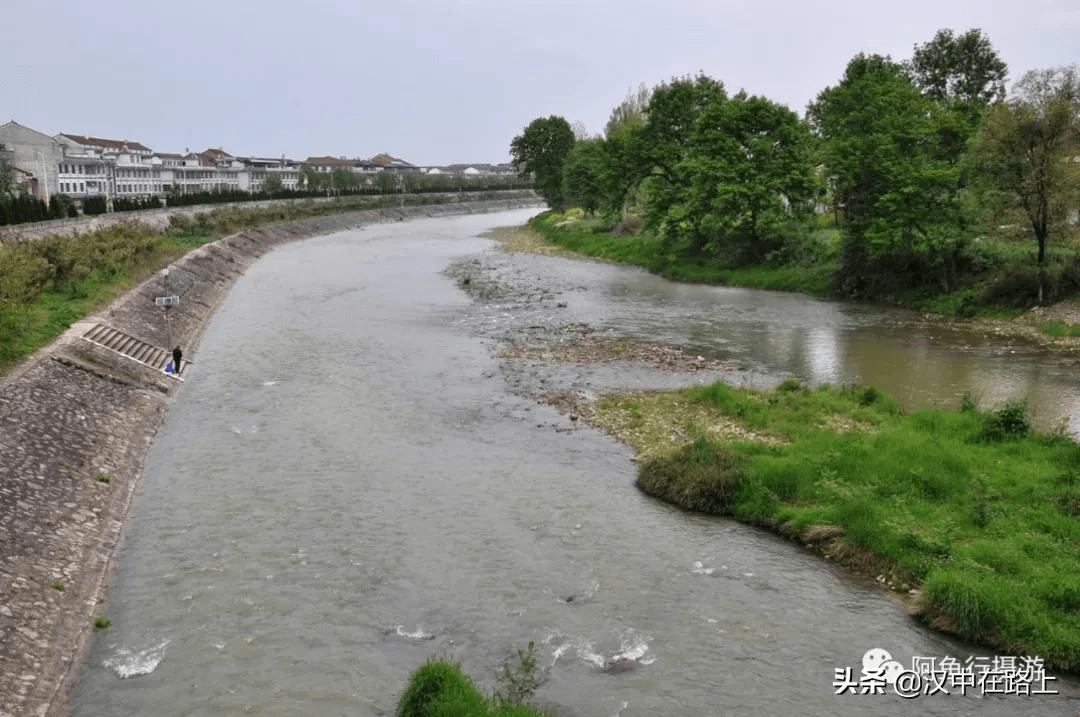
<point x="900" y="197"/>
<point x="541" y="150"/>
<point x="1026" y="152"/>
<point x="748" y="166"/>
<point x="959" y="68"/>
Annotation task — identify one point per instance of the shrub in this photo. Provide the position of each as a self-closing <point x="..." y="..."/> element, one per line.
<point x="432" y="682"/>
<point x="439" y="688"/>
<point x="94" y="205"/>
<point x="1009" y="421"/>
<point x="789" y="386"/>
<point x="703" y="477"/>
<point x="519" y="684"/>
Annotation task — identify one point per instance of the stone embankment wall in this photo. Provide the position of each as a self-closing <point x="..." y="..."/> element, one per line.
<point x="76" y="422"/>
<point x="159" y="218"/>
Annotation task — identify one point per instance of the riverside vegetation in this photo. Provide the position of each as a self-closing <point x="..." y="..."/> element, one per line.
<point x="48" y="284"/>
<point x="917" y="182"/>
<point x="970" y="516"/>
<point x="439" y="688"/>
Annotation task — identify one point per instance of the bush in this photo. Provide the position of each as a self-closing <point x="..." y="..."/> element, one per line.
<point x="1009" y="421"/>
<point x="439" y="688"/>
<point x="702" y="477"/>
<point x="434" y="682"/>
<point x="94" y="205"/>
<point x="789" y="386"/>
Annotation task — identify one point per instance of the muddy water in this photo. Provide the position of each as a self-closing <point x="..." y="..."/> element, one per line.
<point x="352" y="481"/>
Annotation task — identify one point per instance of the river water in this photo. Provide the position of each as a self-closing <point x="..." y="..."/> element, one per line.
<point x="351" y="481"/>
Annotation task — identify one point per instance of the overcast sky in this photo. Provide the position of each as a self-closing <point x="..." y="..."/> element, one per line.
<point x="446" y="81"/>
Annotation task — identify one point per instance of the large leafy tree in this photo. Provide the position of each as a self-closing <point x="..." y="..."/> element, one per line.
<point x="959" y="68"/>
<point x="541" y="151"/>
<point x="1027" y="148"/>
<point x="623" y="167"/>
<point x="584" y="174"/>
<point x="7" y="178"/>
<point x="964" y="75"/>
<point x="903" y="221"/>
<point x="664" y="141"/>
<point x="749" y="167"/>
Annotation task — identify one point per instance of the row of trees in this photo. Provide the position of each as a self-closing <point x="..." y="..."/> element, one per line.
<point x="20" y="207"/>
<point x="908" y="156"/>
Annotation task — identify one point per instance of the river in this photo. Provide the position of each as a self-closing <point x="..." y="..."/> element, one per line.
<point x="352" y="481"/>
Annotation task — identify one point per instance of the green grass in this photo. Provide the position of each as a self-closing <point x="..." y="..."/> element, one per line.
<point x="998" y="277"/>
<point x="984" y="512"/>
<point x="115" y="259"/>
<point x="593" y="237"/>
<point x="1058" y="329"/>
<point x="22" y="332"/>
<point x="439" y="688"/>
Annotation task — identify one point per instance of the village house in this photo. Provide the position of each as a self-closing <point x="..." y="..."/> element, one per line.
<point x="81" y="166"/>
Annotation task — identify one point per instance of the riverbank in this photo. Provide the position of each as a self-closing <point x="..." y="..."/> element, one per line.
<point x="78" y="418"/>
<point x="1056" y="326"/>
<point x="966" y="518"/>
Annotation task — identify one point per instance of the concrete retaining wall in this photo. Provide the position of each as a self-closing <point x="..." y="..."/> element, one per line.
<point x="76" y="422"/>
<point x="159" y="218"/>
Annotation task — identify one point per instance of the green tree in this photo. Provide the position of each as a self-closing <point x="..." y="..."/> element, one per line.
<point x="664" y="142"/>
<point x="344" y="179"/>
<point x="7" y="179"/>
<point x="623" y="169"/>
<point x="903" y="221"/>
<point x="959" y="68"/>
<point x="1025" y="153"/>
<point x="631" y="111"/>
<point x="314" y="180"/>
<point x="749" y="167"/>
<point x="541" y="151"/>
<point x="964" y="74"/>
<point x="273" y="183"/>
<point x="583" y="174"/>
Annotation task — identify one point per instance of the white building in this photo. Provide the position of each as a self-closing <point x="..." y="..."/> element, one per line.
<point x="81" y="166"/>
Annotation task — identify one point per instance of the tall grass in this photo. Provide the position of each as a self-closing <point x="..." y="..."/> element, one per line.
<point x="594" y="237"/>
<point x="981" y="509"/>
<point x="439" y="688"/>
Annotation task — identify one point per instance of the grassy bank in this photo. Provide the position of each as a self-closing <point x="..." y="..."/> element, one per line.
<point x="999" y="280"/>
<point x="971" y="510"/>
<point x="48" y="284"/>
<point x="75" y="277"/>
<point x="600" y="238"/>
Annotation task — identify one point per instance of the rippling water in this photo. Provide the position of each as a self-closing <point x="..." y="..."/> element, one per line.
<point x="349" y="483"/>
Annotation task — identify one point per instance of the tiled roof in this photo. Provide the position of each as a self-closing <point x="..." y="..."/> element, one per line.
<point x="386" y="159"/>
<point x="329" y="162"/>
<point x="107" y="143"/>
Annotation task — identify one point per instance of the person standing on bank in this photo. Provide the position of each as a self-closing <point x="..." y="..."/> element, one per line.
<point x="177" y="354"/>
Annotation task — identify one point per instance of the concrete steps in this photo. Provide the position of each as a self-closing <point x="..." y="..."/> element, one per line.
<point x="228" y="253"/>
<point x="135" y="349"/>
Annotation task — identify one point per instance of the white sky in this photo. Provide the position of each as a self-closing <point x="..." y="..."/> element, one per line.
<point x="446" y="81"/>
